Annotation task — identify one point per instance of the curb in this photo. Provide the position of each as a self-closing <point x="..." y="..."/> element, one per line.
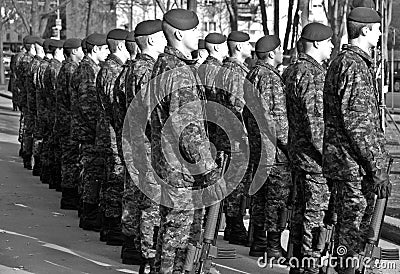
<point x="5" y="96"/>
<point x="391" y="230"/>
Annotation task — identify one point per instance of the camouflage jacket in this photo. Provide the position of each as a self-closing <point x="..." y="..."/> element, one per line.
<point x="304" y="88"/>
<point x="207" y="73"/>
<point x="119" y="101"/>
<point x="32" y="84"/>
<point x="22" y="74"/>
<point x="50" y="88"/>
<point x="12" y="86"/>
<point x="177" y="121"/>
<point x="228" y="91"/>
<point x="42" y="121"/>
<point x="354" y="142"/>
<point x="63" y="97"/>
<point x="268" y="82"/>
<point x="84" y="101"/>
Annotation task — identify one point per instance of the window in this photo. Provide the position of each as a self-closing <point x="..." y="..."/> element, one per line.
<point x="209" y="2"/>
<point x="209" y="26"/>
<point x="8" y="36"/>
<point x="19" y="37"/>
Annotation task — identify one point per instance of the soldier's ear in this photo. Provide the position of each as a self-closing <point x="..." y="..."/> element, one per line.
<point x="271" y="54"/>
<point x="95" y="48"/>
<point x="364" y="30"/>
<point x="178" y="35"/>
<point x="238" y="46"/>
<point x="150" y="41"/>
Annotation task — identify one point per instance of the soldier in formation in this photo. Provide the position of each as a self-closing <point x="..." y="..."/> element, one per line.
<point x="127" y="136"/>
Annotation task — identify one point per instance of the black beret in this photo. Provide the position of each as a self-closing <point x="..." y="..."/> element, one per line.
<point x="130" y="37"/>
<point x="364" y="15"/>
<point x="117" y="34"/>
<point x="238" y="36"/>
<point x="96" y="39"/>
<point x="148" y="27"/>
<point x="46" y="45"/>
<point x="30" y="39"/>
<point x="215" y="38"/>
<point x="39" y="41"/>
<point x="316" y="32"/>
<point x="201" y="44"/>
<point x="56" y="43"/>
<point x="267" y="43"/>
<point x="181" y="19"/>
<point x="83" y="43"/>
<point x="72" y="43"/>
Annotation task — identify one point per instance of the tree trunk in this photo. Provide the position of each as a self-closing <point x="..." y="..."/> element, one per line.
<point x="264" y="17"/>
<point x="88" y="16"/>
<point x="35" y="20"/>
<point x="337" y="11"/>
<point x="2" y="78"/>
<point x="295" y="30"/>
<point x="233" y="13"/>
<point x="305" y="10"/>
<point x="276" y="17"/>
<point x="288" y="26"/>
<point x="192" y="5"/>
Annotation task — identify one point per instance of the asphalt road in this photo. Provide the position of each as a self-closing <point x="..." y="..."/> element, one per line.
<point x="38" y="237"/>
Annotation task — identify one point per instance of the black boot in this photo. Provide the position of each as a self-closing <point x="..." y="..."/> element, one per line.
<point x="105" y="227"/>
<point x="90" y="218"/>
<point x="259" y="245"/>
<point x="130" y="255"/>
<point x="28" y="161"/>
<point x="114" y="235"/>
<point x="238" y="232"/>
<point x="37" y="167"/>
<point x="228" y="227"/>
<point x="147" y="266"/>
<point x="69" y="199"/>
<point x="274" y="248"/>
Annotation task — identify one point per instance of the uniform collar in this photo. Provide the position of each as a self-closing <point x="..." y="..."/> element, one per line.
<point x="265" y="64"/>
<point x="115" y="58"/>
<point x="175" y="52"/>
<point x="212" y="59"/>
<point x="308" y="58"/>
<point x="237" y="62"/>
<point x="360" y="52"/>
<point x="146" y="57"/>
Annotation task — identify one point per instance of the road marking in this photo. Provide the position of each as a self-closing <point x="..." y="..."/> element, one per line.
<point x="231" y="268"/>
<point x="17" y="234"/>
<point x="57" y="264"/>
<point x="127" y="271"/>
<point x="6" y="269"/>
<point x="21" y="205"/>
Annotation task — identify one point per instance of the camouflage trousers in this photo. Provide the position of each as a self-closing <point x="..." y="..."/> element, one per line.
<point x="271" y="199"/>
<point x="354" y="204"/>
<point x="113" y="188"/>
<point x="178" y="228"/>
<point x="311" y="205"/>
<point x="46" y="157"/>
<point x="29" y="127"/>
<point x="69" y="163"/>
<point x="238" y="171"/>
<point x="93" y="172"/>
<point x="21" y="128"/>
<point x="56" y="150"/>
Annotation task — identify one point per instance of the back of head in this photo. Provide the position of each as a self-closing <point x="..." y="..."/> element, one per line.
<point x="144" y="29"/>
<point x="178" y="19"/>
<point x="115" y="37"/>
<point x="130" y="43"/>
<point x="234" y="38"/>
<point x="359" y="18"/>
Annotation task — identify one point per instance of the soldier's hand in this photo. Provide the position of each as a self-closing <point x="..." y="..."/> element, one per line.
<point x="382" y="185"/>
<point x="216" y="187"/>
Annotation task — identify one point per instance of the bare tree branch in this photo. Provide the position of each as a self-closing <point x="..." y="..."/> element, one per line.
<point x="21" y="15"/>
<point x="48" y="13"/>
<point x="161" y="5"/>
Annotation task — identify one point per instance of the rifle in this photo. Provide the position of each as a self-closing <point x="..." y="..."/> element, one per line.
<point x="286" y="217"/>
<point x="199" y="257"/>
<point x="327" y="239"/>
<point x="372" y="251"/>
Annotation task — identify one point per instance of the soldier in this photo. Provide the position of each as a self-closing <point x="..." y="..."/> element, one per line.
<point x="12" y="84"/>
<point x="228" y="89"/>
<point x="304" y="87"/>
<point x="43" y="125"/>
<point x="113" y="187"/>
<point x="175" y="85"/>
<point x="22" y="73"/>
<point x="141" y="218"/>
<point x="62" y="127"/>
<point x="271" y="199"/>
<point x="53" y="161"/>
<point x="84" y="130"/>
<point x="33" y="87"/>
<point x="354" y="153"/>
<point x="200" y="54"/>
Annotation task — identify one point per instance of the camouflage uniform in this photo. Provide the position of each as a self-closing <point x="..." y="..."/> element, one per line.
<point x="12" y="84"/>
<point x="228" y="91"/>
<point x="304" y="88"/>
<point x="149" y="222"/>
<point x="50" y="90"/>
<point x="23" y="73"/>
<point x="43" y="123"/>
<point x="31" y="113"/>
<point x="175" y="84"/>
<point x="354" y="143"/>
<point x="62" y="126"/>
<point x="268" y="202"/>
<point x="87" y="113"/>
<point x="113" y="187"/>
